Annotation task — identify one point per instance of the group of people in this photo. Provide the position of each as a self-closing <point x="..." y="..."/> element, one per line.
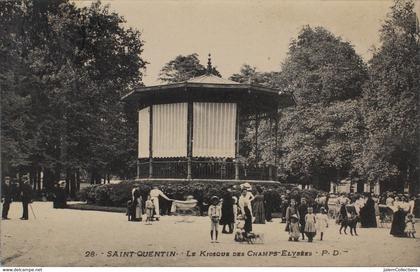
<point x="151" y="209"/>
<point x="10" y="193"/>
<point x="403" y="209"/>
<point x="368" y="208"/>
<point x="229" y="210"/>
<point x="301" y="220"/>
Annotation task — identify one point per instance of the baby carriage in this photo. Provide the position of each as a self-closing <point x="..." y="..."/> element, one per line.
<point x="251" y="238"/>
<point x="385" y="216"/>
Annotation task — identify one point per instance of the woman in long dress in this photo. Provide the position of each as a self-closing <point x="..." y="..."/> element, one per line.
<point x="137" y="205"/>
<point x="258" y="207"/>
<point x="368" y="215"/>
<point x="398" y="223"/>
<point x="245" y="206"/>
<point x="227" y="212"/>
<point x="290" y="211"/>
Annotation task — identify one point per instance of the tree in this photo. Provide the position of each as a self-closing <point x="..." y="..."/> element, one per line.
<point x="249" y="74"/>
<point x="391" y="102"/>
<point x="321" y="68"/>
<point x="322" y="137"/>
<point x="71" y="68"/>
<point x="183" y="68"/>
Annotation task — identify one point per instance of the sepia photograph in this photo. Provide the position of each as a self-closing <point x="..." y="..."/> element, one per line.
<point x="225" y="133"/>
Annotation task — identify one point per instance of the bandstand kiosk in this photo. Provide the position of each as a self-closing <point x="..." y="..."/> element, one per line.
<point x="192" y="130"/>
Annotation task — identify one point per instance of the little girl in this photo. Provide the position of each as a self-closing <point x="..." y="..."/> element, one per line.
<point x="149" y="210"/>
<point x="321" y="221"/>
<point x="409" y="226"/>
<point x="294" y="229"/>
<point x="310" y="229"/>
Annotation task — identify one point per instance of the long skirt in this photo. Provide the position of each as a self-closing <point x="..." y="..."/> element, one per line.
<point x="248" y="220"/>
<point x="259" y="212"/>
<point x="398" y="224"/>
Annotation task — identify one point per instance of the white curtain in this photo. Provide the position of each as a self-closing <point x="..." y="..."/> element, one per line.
<point x="214" y="129"/>
<point x="144" y="132"/>
<point x="170" y="130"/>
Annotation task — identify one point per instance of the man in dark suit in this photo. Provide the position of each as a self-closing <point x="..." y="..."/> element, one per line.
<point x="26" y="194"/>
<point x="6" y="198"/>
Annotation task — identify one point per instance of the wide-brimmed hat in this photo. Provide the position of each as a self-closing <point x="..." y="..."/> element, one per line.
<point x="246" y="185"/>
<point x="214" y="199"/>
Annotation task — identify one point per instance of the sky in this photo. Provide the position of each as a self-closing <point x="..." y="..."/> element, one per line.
<point x="256" y="32"/>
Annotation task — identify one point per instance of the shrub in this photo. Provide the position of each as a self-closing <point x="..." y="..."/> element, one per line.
<point x="102" y="195"/>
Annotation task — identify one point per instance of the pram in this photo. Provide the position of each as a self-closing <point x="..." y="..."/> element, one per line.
<point x="186" y="207"/>
<point x="385" y="216"/>
<point x="251" y="238"/>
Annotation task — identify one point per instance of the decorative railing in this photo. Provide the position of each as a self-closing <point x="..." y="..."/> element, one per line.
<point x="254" y="172"/>
<point x="213" y="170"/>
<point x="169" y="169"/>
<point x="207" y="169"/>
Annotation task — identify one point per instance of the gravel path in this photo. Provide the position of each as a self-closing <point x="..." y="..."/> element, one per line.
<point x="89" y="238"/>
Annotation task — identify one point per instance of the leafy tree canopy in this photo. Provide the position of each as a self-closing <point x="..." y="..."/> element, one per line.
<point x="183" y="68"/>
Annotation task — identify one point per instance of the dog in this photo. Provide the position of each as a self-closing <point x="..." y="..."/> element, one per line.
<point x="350" y="221"/>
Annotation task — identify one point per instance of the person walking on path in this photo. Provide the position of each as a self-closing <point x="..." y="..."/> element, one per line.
<point x="6" y="197"/>
<point x="214" y="213"/>
<point x="367" y="214"/>
<point x="398" y="223"/>
<point x="228" y="217"/>
<point x="154" y="195"/>
<point x="26" y="195"/>
<point x="321" y="222"/>
<point x="310" y="221"/>
<point x="290" y="211"/>
<point x="258" y="207"/>
<point x="245" y="206"/>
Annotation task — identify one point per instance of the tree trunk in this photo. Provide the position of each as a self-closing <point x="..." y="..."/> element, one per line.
<point x="78" y="181"/>
<point x="67" y="182"/>
<point x="38" y="178"/>
<point x="72" y="180"/>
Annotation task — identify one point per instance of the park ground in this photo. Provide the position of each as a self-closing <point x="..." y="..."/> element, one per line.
<point x="62" y="237"/>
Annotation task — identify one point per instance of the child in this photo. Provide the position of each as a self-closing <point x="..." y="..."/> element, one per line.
<point x="294" y="228"/>
<point x="310" y="221"/>
<point x="214" y="213"/>
<point x="149" y="210"/>
<point x="409" y="229"/>
<point x="321" y="222"/>
<point x="240" y="232"/>
<point x="129" y="210"/>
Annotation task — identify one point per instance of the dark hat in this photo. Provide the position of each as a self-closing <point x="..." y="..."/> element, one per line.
<point x="214" y="199"/>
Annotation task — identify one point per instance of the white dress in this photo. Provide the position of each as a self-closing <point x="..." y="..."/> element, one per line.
<point x="321" y="222"/>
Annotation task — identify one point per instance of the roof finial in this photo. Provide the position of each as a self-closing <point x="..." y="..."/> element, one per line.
<point x="209" y="67"/>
